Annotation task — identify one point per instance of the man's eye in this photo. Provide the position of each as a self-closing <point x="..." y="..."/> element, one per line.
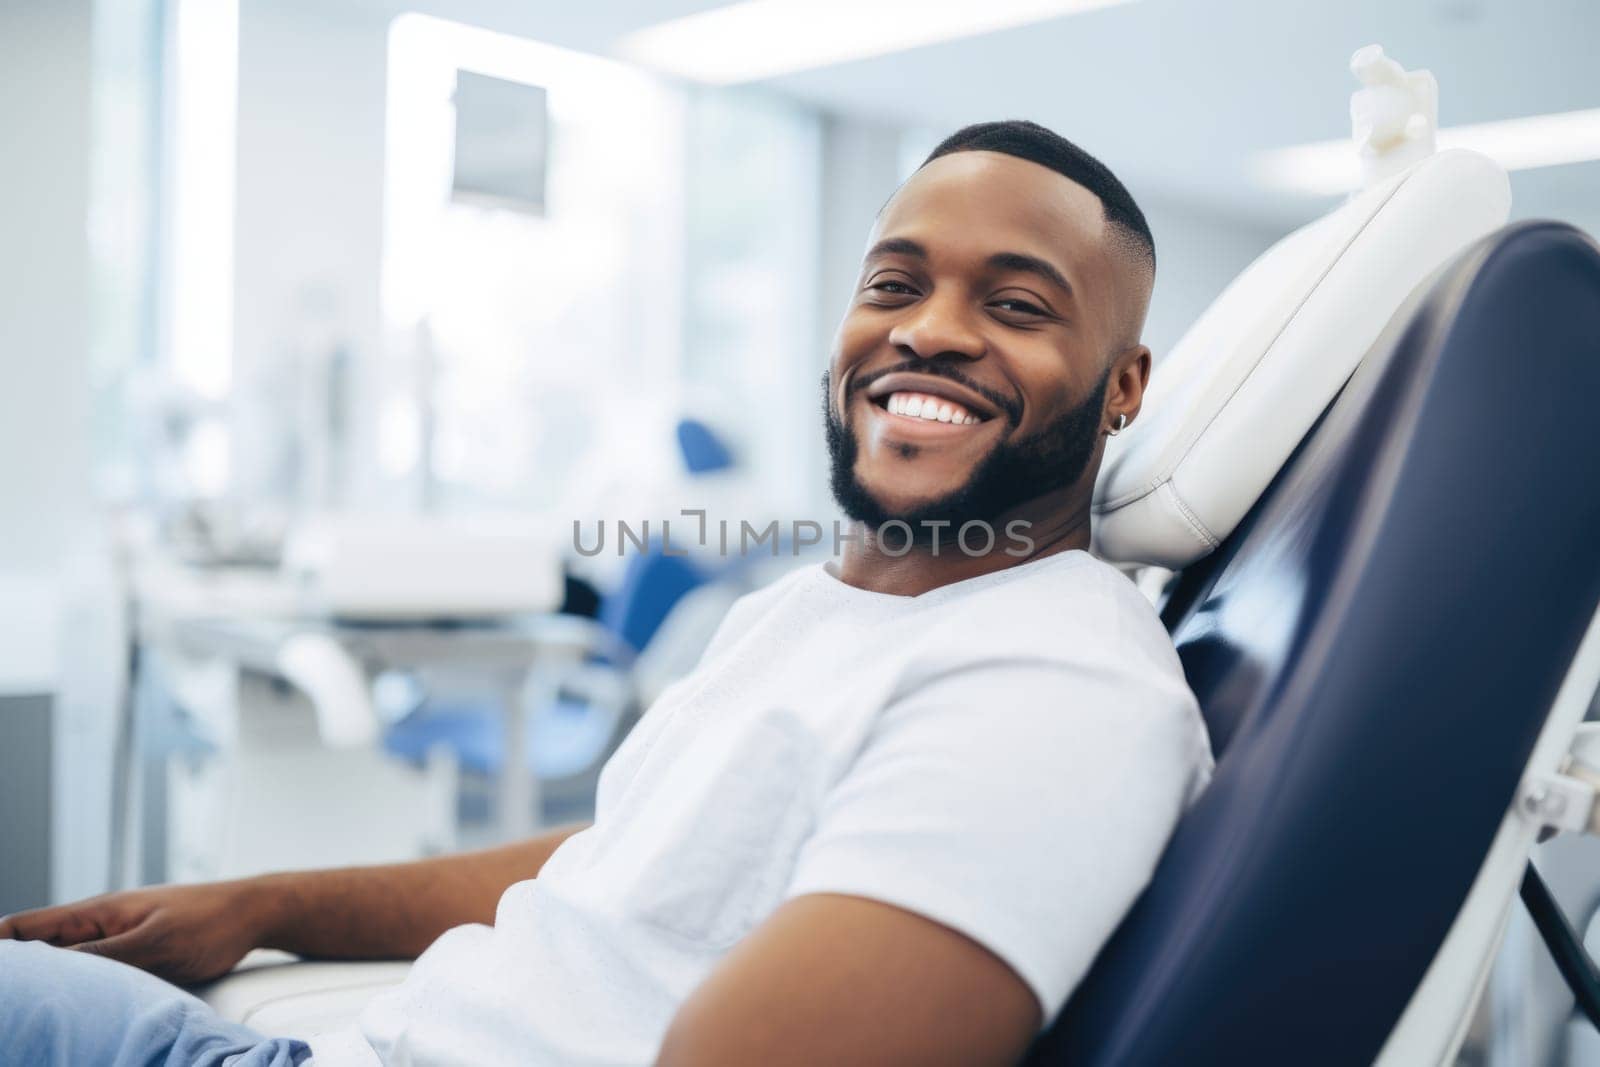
<point x="1019" y="306"/>
<point x="893" y="288"/>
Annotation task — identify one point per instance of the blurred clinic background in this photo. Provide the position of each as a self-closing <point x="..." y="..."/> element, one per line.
<point x="321" y="321"/>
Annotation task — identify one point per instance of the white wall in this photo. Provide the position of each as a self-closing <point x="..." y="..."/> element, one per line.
<point x="44" y="316"/>
<point x="309" y="203"/>
<point x="45" y="432"/>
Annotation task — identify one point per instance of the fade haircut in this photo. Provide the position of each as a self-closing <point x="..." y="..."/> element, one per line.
<point x="1032" y="142"/>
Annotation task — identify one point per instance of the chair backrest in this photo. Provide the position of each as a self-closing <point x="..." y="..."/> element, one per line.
<point x="1375" y="649"/>
<point x="1239" y="391"/>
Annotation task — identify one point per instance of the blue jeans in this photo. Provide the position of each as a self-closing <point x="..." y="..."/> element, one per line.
<point x="60" y="1008"/>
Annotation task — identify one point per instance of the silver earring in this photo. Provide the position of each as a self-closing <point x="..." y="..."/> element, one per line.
<point x="1122" y="421"/>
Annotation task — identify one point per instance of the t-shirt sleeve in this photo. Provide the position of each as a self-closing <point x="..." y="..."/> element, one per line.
<point x="1021" y="803"/>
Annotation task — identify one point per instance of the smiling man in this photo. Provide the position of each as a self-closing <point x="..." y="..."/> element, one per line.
<point x="992" y="343"/>
<point x="900" y="804"/>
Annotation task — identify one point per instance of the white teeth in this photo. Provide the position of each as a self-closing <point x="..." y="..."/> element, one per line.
<point x="931" y="408"/>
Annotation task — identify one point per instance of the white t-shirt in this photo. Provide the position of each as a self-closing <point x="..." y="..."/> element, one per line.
<point x="1006" y="755"/>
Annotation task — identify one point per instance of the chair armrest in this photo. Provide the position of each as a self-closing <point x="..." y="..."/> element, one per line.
<point x="282" y="996"/>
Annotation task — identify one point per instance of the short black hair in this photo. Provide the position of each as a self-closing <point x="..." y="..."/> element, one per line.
<point x="1032" y="142"/>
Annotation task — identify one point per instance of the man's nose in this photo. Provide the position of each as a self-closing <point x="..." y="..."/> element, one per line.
<point x="937" y="326"/>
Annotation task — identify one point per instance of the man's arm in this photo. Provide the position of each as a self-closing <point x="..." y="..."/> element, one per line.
<point x="845" y="980"/>
<point x="191" y="933"/>
<point x="396" y="910"/>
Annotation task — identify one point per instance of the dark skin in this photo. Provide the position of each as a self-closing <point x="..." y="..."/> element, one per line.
<point x="826" y="978"/>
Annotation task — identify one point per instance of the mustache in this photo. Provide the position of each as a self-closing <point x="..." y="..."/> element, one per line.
<point x="942" y="369"/>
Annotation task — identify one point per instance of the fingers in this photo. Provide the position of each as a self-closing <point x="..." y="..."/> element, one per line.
<point x="132" y="947"/>
<point x="62" y="925"/>
<point x="40" y="924"/>
<point x="152" y="946"/>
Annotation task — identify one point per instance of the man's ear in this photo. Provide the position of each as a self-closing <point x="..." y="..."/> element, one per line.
<point x="1130" y="373"/>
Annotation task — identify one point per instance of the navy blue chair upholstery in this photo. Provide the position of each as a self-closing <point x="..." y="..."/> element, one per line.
<point x="1375" y="650"/>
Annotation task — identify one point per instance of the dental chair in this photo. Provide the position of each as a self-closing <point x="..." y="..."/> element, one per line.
<point x="1393" y="652"/>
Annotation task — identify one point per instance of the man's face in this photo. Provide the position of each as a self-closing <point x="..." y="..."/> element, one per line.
<point x="969" y="374"/>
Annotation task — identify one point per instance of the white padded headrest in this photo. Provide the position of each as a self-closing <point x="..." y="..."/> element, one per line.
<point x="1226" y="408"/>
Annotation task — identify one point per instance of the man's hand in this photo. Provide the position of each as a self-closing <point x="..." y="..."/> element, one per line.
<point x="193" y="933"/>
<point x="183" y="933"/>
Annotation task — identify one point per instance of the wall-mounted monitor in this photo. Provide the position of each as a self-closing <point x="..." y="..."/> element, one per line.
<point x="502" y="140"/>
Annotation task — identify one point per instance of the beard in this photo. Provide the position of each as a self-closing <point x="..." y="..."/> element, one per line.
<point x="1013" y="473"/>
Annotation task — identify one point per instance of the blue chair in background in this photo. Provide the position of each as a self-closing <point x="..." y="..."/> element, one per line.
<point x="595" y="704"/>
